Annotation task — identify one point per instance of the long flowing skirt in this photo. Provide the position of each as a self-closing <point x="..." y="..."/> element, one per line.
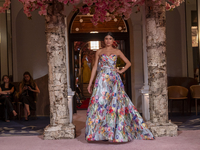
<point x="111" y="115"/>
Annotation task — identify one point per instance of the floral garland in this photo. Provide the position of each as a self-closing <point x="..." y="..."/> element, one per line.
<point x="102" y="10"/>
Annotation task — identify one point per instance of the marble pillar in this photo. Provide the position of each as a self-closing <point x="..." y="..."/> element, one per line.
<point x="157" y="71"/>
<point x="60" y="126"/>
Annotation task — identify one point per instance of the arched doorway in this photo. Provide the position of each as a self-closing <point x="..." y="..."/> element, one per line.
<point x="82" y="36"/>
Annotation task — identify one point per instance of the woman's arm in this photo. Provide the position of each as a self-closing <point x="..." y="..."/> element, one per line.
<point x="94" y="69"/>
<point x="128" y="63"/>
<point x="21" y="89"/>
<point x="2" y="92"/>
<point x="37" y="90"/>
<point x="10" y="91"/>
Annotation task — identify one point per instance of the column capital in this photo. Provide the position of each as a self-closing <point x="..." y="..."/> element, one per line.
<point x="144" y="89"/>
<point x="70" y="92"/>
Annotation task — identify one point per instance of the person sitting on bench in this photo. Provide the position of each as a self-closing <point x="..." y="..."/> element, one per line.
<point x="6" y="97"/>
<point x="27" y="90"/>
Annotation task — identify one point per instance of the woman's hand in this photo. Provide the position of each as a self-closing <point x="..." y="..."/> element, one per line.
<point x="89" y="89"/>
<point x="118" y="71"/>
<point x="25" y="88"/>
<point x="29" y="88"/>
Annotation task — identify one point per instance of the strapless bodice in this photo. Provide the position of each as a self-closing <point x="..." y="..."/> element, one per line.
<point x="108" y="61"/>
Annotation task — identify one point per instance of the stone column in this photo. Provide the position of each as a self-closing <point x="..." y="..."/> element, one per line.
<point x="157" y="71"/>
<point x="60" y="126"/>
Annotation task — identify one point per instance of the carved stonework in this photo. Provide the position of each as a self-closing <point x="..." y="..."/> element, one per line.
<point x="60" y="126"/>
<point x="157" y="71"/>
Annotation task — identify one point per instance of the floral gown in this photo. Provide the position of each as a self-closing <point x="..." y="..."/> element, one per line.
<point x="111" y="115"/>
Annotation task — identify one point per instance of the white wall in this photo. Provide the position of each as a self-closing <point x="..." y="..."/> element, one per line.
<point x="176" y="42"/>
<point x="29" y="43"/>
<point x="190" y="6"/>
<point x="137" y="58"/>
<point x="3" y="45"/>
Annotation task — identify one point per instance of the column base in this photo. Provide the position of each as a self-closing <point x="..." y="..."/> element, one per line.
<point x="162" y="129"/>
<point x="59" y="132"/>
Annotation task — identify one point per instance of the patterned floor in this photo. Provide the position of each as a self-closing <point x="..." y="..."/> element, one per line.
<point x="186" y="122"/>
<point x="16" y="127"/>
<point x="36" y="127"/>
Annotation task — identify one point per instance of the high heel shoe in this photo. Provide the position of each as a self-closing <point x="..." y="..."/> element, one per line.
<point x="29" y="116"/>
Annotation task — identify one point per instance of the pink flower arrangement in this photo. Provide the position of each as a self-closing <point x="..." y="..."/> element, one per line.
<point x="5" y="7"/>
<point x="102" y="10"/>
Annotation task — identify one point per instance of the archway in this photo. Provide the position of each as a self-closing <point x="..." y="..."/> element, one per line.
<point x="82" y="31"/>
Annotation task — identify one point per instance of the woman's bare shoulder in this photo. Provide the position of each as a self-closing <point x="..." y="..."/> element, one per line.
<point x="99" y="51"/>
<point x="118" y="51"/>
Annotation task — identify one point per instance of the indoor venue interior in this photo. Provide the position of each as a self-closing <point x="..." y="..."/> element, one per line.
<point x="24" y="51"/>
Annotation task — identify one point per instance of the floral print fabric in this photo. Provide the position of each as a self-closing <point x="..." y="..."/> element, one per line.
<point x="111" y="115"/>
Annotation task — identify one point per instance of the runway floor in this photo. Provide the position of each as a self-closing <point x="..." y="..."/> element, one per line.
<point x="187" y="139"/>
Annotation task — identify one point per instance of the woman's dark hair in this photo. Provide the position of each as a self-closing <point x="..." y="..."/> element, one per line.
<point x="32" y="83"/>
<point x="4" y="77"/>
<point x="109" y="33"/>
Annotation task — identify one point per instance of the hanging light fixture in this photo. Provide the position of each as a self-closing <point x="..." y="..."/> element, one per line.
<point x="77" y="29"/>
<point x="119" y="28"/>
<point x="81" y="20"/>
<point x="94" y="32"/>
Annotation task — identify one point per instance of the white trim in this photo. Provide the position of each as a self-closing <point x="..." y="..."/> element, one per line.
<point x="70" y="93"/>
<point x="145" y="89"/>
<point x="145" y="66"/>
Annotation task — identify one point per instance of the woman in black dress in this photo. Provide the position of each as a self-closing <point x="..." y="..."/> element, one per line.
<point x="6" y="97"/>
<point x="27" y="90"/>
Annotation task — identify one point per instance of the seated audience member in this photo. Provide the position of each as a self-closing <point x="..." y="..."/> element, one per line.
<point x="27" y="90"/>
<point x="6" y="97"/>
